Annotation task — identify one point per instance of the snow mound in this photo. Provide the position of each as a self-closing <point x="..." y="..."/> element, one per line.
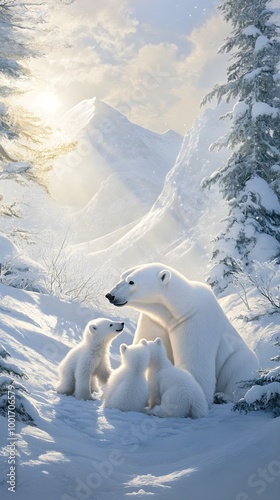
<point x="18" y="270"/>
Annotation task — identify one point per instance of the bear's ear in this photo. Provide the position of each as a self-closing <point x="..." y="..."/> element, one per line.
<point x="92" y="328"/>
<point x="143" y="342"/>
<point x="128" y="272"/>
<point x="123" y="348"/>
<point x="158" y="341"/>
<point x="164" y="276"/>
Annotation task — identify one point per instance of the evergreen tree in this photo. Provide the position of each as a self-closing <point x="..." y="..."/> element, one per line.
<point x="21" y="408"/>
<point x="264" y="392"/>
<point x="16" y="45"/>
<point x="24" y="34"/>
<point x="250" y="181"/>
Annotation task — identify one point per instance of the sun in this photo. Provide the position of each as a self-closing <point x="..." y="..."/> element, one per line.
<point x="47" y="103"/>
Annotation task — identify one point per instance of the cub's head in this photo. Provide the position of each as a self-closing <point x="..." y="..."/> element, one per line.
<point x="136" y="356"/>
<point x="156" y="348"/>
<point x="102" y="329"/>
<point x="140" y="285"/>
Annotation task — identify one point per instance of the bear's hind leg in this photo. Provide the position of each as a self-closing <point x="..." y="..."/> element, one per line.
<point x="220" y="398"/>
<point x="242" y="365"/>
<point x="82" y="390"/>
<point x="66" y="385"/>
<point x="83" y="384"/>
<point x="103" y="372"/>
<point x="172" y="405"/>
<point x="94" y="387"/>
<point x="157" y="411"/>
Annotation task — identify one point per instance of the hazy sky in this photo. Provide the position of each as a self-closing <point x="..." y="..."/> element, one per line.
<point x="153" y="60"/>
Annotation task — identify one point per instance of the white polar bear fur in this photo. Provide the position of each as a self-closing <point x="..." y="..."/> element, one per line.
<point x="196" y="332"/>
<point x="127" y="388"/>
<point x="173" y="392"/>
<point x="88" y="362"/>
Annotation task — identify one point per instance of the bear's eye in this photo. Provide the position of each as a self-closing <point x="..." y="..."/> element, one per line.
<point x="111" y="324"/>
<point x="131" y="282"/>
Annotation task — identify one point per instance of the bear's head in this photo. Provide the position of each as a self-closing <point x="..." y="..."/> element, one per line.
<point x="157" y="350"/>
<point x="102" y="330"/>
<point x="136" y="356"/>
<point x="141" y="284"/>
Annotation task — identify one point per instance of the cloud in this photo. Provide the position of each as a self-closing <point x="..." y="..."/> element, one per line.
<point x="203" y="60"/>
<point x="101" y="25"/>
<point x="101" y="50"/>
<point x="162" y="89"/>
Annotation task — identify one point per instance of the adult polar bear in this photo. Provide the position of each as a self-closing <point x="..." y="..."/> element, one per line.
<point x="187" y="316"/>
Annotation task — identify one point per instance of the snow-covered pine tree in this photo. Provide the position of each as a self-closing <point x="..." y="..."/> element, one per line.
<point x="13" y="50"/>
<point x="22" y="409"/>
<point x="264" y="391"/>
<point x="250" y="181"/>
<point x="24" y="34"/>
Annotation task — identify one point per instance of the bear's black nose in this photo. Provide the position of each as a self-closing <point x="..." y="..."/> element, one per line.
<point x="110" y="297"/>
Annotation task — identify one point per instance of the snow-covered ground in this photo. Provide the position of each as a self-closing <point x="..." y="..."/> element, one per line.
<point x="80" y="451"/>
<point x="154" y="210"/>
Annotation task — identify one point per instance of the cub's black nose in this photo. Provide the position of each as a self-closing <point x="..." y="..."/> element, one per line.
<point x="110" y="297"/>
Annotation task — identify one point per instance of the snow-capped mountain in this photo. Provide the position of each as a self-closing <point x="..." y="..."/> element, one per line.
<point x="180" y="225"/>
<point x="116" y="172"/>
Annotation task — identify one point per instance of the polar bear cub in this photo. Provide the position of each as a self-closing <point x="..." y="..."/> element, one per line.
<point x="174" y="392"/>
<point x="127" y="388"/>
<point x="89" y="361"/>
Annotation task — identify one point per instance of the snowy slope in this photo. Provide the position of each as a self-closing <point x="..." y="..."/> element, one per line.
<point x="27" y="211"/>
<point x="80" y="451"/>
<point x="32" y="224"/>
<point x="116" y="172"/>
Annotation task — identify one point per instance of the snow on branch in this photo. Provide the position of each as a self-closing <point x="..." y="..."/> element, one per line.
<point x="23" y="408"/>
<point x="264" y="391"/>
<point x="264" y="277"/>
<point x="261" y="397"/>
<point x="261" y="108"/>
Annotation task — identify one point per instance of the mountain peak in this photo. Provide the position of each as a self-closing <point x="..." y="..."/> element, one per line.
<point x="89" y="111"/>
<point x="117" y="167"/>
<point x="96" y="115"/>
